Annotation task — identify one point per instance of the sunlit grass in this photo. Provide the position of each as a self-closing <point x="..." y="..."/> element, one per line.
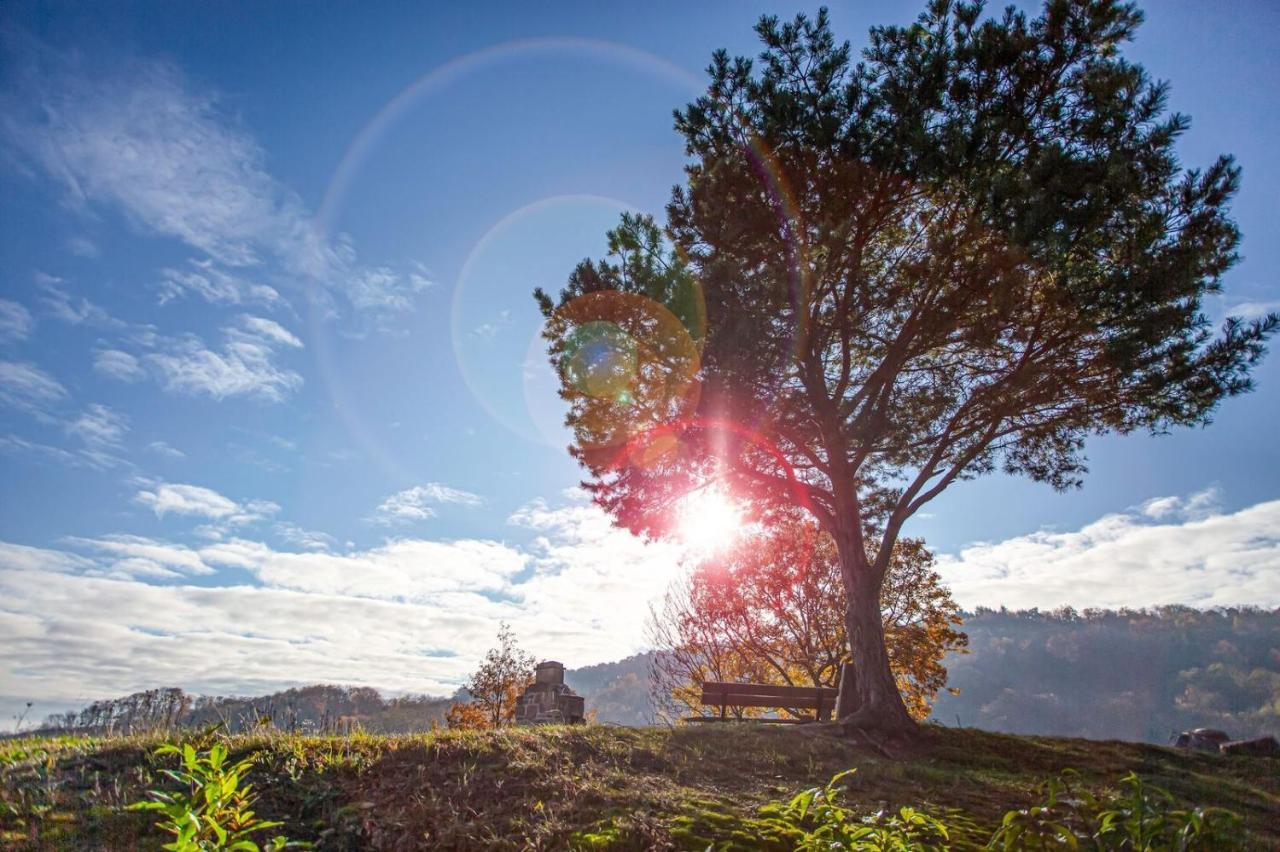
<point x="591" y="785"/>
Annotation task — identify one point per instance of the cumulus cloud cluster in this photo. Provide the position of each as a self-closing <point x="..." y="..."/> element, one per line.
<point x="1183" y="550"/>
<point x="104" y="615"/>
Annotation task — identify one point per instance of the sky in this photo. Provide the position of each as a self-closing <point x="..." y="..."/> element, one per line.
<point x="273" y="407"/>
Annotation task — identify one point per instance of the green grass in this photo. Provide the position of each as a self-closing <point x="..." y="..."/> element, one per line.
<point x="588" y="786"/>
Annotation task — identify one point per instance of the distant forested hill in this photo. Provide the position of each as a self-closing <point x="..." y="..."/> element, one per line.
<point x="1104" y="674"/>
<point x="617" y="692"/>
<point x="1130" y="674"/>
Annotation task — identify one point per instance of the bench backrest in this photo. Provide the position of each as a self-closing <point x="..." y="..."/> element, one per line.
<point x="768" y="695"/>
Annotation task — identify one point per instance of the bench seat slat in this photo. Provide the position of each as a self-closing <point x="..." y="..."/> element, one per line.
<point x="796" y="702"/>
<point x="718" y="688"/>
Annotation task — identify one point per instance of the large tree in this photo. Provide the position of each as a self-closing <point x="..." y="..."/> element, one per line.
<point x="968" y="252"/>
<point x="770" y="610"/>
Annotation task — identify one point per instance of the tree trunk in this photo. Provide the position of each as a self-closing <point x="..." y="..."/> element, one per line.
<point x="877" y="704"/>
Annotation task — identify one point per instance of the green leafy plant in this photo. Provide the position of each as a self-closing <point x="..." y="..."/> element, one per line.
<point x="824" y="824"/>
<point x="212" y="808"/>
<point x="1142" y="817"/>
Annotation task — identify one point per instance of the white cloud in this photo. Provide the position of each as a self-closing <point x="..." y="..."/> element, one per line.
<point x="306" y="539"/>
<point x="162" y="448"/>
<point x="142" y="140"/>
<point x="1193" y="507"/>
<point x="118" y="364"/>
<point x="28" y="388"/>
<point x="15" y="322"/>
<point x="489" y="330"/>
<point x="1169" y="550"/>
<point x="165" y="498"/>
<point x="244" y="367"/>
<point x="1254" y="309"/>
<point x="213" y="284"/>
<point x="270" y="330"/>
<point x="136" y="556"/>
<point x="99" y="426"/>
<point x="417" y="503"/>
<point x="592" y="579"/>
<point x="76" y="310"/>
<point x="114" y="614"/>
<point x="172" y="160"/>
<point x="22" y="557"/>
<point x="82" y="247"/>
<point x="26" y="448"/>
<point x="383" y="289"/>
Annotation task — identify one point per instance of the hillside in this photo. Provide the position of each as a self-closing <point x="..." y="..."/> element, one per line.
<point x="590" y="786"/>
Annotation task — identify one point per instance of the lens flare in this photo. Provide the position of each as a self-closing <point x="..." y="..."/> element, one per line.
<point x="601" y="360"/>
<point x="629" y="365"/>
<point x="710" y="520"/>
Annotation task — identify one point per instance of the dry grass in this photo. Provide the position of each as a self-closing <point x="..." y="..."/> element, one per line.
<point x="589" y="786"/>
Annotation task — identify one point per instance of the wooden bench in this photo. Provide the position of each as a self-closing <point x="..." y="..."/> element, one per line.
<point x="820" y="699"/>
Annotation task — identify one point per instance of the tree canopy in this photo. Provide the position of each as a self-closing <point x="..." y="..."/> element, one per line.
<point x="967" y="252"/>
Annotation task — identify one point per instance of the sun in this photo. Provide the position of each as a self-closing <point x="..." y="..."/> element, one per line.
<point x="709" y="520"/>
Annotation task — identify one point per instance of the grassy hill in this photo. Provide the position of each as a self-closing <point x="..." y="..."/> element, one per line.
<point x="588" y="786"/>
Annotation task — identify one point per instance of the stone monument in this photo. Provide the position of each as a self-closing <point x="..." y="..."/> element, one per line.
<point x="547" y="700"/>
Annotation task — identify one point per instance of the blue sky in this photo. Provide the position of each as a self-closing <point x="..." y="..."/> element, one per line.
<point x="272" y="406"/>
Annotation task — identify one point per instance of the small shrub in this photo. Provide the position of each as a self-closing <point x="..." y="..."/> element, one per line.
<point x="467" y="716"/>
<point x="212" y="808"/>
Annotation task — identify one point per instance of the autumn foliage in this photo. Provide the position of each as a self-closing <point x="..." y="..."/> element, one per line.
<point x="467" y="716"/>
<point x="771" y="610"/>
<point x="496" y="683"/>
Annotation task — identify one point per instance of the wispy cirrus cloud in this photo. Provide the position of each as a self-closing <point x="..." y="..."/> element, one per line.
<point x="28" y="388"/>
<point x="99" y="426"/>
<point x="83" y="247"/>
<point x="119" y="365"/>
<point x="213" y="284"/>
<point x="305" y="539"/>
<point x="244" y="366"/>
<point x="164" y="448"/>
<point x="1252" y="310"/>
<point x="141" y="139"/>
<point x="60" y="303"/>
<point x="169" y="498"/>
<point x="386" y="290"/>
<point x="15" y="322"/>
<point x="101" y="430"/>
<point x="418" y="503"/>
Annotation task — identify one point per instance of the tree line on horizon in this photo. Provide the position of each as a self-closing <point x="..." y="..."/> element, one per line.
<point x="1131" y="674"/>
